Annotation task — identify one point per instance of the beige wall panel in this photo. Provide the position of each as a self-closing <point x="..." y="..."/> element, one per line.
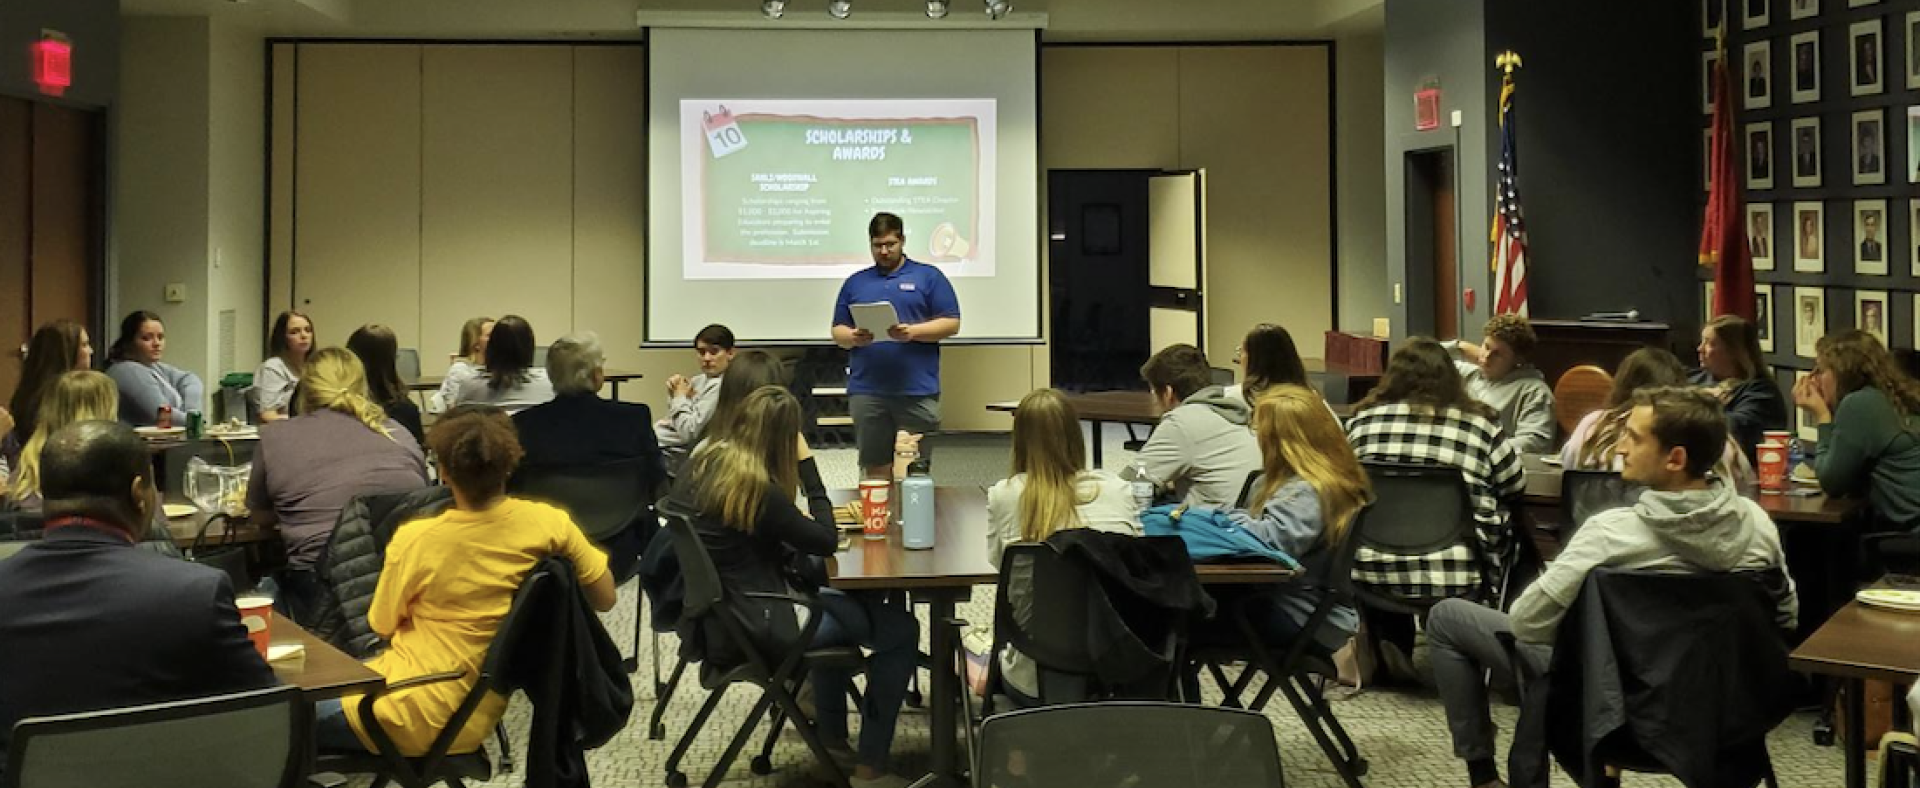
<point x="356" y="248"/>
<point x="1256" y="118"/>
<point x="972" y="376"/>
<point x="280" y="179"/>
<point x="609" y="211"/>
<point x="1109" y="107"/>
<point x="496" y="207"/>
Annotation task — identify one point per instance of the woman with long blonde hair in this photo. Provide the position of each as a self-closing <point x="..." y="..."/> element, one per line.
<point x="741" y="487"/>
<point x="1051" y="490"/>
<point x="1311" y="487"/>
<point x="1868" y="414"/>
<point x="74" y="396"/>
<point x="466" y="364"/>
<point x="306" y="469"/>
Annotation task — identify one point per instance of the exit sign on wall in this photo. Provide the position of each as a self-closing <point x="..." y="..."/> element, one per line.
<point x="1426" y="109"/>
<point x="53" y="63"/>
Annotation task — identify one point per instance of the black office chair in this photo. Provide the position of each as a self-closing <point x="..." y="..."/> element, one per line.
<point x="1896" y="553"/>
<point x="1585" y="493"/>
<point x="613" y="505"/>
<point x="716" y="609"/>
<point x="1288" y="671"/>
<point x="253" y="738"/>
<point x="439" y="764"/>
<point x="1132" y="743"/>
<point x="1418" y="509"/>
<point x="1681" y="628"/>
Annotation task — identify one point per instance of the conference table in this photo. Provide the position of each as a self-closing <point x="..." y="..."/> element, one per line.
<point x="613" y="376"/>
<point x="1792" y="508"/>
<point x="1100" y="408"/>
<point x="1856" y="644"/>
<point x="324" y="672"/>
<point x="943" y="576"/>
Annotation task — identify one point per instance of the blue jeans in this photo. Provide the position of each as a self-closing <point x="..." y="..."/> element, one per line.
<point x="331" y="733"/>
<point x="891" y="635"/>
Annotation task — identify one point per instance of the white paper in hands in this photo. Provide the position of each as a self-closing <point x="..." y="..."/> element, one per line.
<point x="875" y="319"/>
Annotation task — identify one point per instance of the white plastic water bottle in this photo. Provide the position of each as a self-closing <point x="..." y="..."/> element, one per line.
<point x="1142" y="485"/>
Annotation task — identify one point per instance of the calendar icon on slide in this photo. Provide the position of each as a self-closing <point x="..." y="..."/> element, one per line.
<point x="723" y="134"/>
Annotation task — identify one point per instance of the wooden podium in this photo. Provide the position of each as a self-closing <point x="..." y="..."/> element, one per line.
<point x="1565" y="344"/>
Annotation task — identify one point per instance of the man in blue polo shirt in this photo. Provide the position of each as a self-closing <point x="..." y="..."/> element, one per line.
<point x="895" y="380"/>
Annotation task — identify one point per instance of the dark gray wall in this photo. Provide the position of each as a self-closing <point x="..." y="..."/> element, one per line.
<point x="92" y="25"/>
<point x="1609" y="146"/>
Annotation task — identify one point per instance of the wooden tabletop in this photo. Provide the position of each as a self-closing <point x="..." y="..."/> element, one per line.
<point x="184" y="529"/>
<point x="325" y="672"/>
<point x="1865" y="643"/>
<point x="432" y="382"/>
<point x="1124" y="407"/>
<point x="958" y="558"/>
<point x="1543" y="489"/>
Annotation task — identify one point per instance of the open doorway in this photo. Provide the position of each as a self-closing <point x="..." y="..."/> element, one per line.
<point x="1098" y="295"/>
<point x="1433" y="272"/>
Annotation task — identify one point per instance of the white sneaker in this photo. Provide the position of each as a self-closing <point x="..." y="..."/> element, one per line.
<point x="883" y="781"/>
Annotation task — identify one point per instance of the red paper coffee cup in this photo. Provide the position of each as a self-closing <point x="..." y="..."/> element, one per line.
<point x="1772" y="466"/>
<point x="874" y="507"/>
<point x="256" y="613"/>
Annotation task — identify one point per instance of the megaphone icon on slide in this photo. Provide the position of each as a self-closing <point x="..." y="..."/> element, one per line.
<point x="946" y="244"/>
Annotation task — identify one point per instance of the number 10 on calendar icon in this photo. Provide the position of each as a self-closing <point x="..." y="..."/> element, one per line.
<point x="723" y="134"/>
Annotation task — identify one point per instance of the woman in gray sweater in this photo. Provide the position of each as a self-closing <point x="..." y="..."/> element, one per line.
<point x="145" y="381"/>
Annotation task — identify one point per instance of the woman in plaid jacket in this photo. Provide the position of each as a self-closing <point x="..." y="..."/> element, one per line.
<point x="1421" y="413"/>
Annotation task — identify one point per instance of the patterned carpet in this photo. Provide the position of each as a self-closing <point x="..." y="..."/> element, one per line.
<point x="1402" y="733"/>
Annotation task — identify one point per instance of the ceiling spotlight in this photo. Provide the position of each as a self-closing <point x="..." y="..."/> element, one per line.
<point x="773" y="9"/>
<point x="998" y="9"/>
<point x="840" y="9"/>
<point x="936" y="9"/>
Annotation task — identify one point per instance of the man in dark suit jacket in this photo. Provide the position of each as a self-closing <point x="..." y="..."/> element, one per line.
<point x="578" y="428"/>
<point x="87" y="622"/>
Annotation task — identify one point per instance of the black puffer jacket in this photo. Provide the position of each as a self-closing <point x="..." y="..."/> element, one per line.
<point x="355" y="554"/>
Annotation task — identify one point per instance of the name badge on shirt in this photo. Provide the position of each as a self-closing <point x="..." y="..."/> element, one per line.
<point x="906" y="285"/>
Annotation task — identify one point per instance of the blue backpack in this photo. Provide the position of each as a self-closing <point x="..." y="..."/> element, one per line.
<point x="1210" y="534"/>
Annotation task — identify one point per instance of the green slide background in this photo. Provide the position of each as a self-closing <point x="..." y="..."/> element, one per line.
<point x="845" y="194"/>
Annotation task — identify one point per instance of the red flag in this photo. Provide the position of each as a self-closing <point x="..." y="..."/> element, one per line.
<point x="1723" y="239"/>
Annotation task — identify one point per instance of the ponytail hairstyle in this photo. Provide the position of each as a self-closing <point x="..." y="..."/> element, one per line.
<point x="335" y="381"/>
<point x="129" y="331"/>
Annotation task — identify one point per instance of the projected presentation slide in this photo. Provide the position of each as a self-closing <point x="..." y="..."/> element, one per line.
<point x="783" y="189"/>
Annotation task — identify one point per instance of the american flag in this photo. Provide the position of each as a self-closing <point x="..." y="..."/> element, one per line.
<point x="1509" y="231"/>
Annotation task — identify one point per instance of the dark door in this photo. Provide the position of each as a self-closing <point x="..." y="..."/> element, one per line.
<point x="51" y="226"/>
<point x="1432" y="222"/>
<point x="1099" y="294"/>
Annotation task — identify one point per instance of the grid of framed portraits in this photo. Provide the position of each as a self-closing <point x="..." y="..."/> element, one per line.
<point x="1829" y="125"/>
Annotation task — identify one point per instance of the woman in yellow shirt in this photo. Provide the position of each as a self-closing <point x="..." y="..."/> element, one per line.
<point x="447" y="583"/>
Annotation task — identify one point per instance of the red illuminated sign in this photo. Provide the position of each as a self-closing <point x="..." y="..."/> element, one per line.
<point x="1426" y="109"/>
<point x="53" y="63"/>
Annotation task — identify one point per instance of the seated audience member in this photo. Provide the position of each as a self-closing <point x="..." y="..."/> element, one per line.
<point x="1050" y="490"/>
<point x="1202" y="448"/>
<point x="1591" y="444"/>
<point x="511" y="382"/>
<point x="747" y="373"/>
<point x="1731" y="363"/>
<point x="1498" y="374"/>
<point x="692" y="401"/>
<point x="743" y="485"/>
<point x="55" y="349"/>
<point x="448" y="580"/>
<point x="578" y="428"/>
<point x="288" y="348"/>
<point x="1421" y="413"/>
<point x="467" y="364"/>
<point x="89" y="623"/>
<point x="1267" y="357"/>
<point x="307" y="468"/>
<point x="1682" y="524"/>
<point x="146" y="382"/>
<point x="379" y="352"/>
<point x="1311" y="486"/>
<point x="74" y="397"/>
<point x="1868" y="416"/>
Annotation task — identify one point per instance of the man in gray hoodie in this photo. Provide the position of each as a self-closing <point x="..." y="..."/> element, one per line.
<point x="1498" y="374"/>
<point x="1682" y="523"/>
<point x="1202" y="449"/>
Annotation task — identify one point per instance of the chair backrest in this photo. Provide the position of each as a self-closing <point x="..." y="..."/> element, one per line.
<point x="1049" y="620"/>
<point x="1220" y="377"/>
<point x="697" y="572"/>
<point x="407" y="362"/>
<point x="1580" y="391"/>
<point x="1896" y="553"/>
<point x="255" y="738"/>
<point x="1417" y="509"/>
<point x="522" y="619"/>
<point x="1137" y="744"/>
<point x="603" y="499"/>
<point x="1584" y="494"/>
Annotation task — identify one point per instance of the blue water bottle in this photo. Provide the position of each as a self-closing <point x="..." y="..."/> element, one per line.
<point x="916" y="507"/>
